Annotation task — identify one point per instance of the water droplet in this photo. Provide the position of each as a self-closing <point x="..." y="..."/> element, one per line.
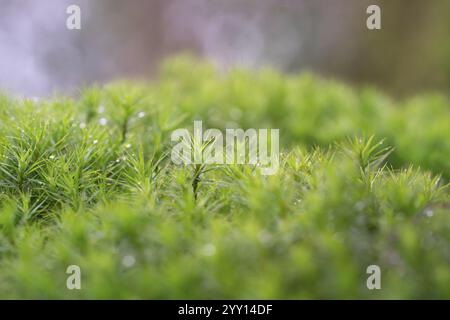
<point x="52" y="157"/>
<point x="209" y="250"/>
<point x="128" y="146"/>
<point x="95" y="141"/>
<point x="141" y="114"/>
<point x="103" y="121"/>
<point x="128" y="261"/>
<point x="429" y="212"/>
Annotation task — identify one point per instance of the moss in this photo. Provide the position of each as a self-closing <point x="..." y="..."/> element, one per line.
<point x="87" y="181"/>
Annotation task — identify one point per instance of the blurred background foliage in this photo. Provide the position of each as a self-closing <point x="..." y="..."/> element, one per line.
<point x="39" y="56"/>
